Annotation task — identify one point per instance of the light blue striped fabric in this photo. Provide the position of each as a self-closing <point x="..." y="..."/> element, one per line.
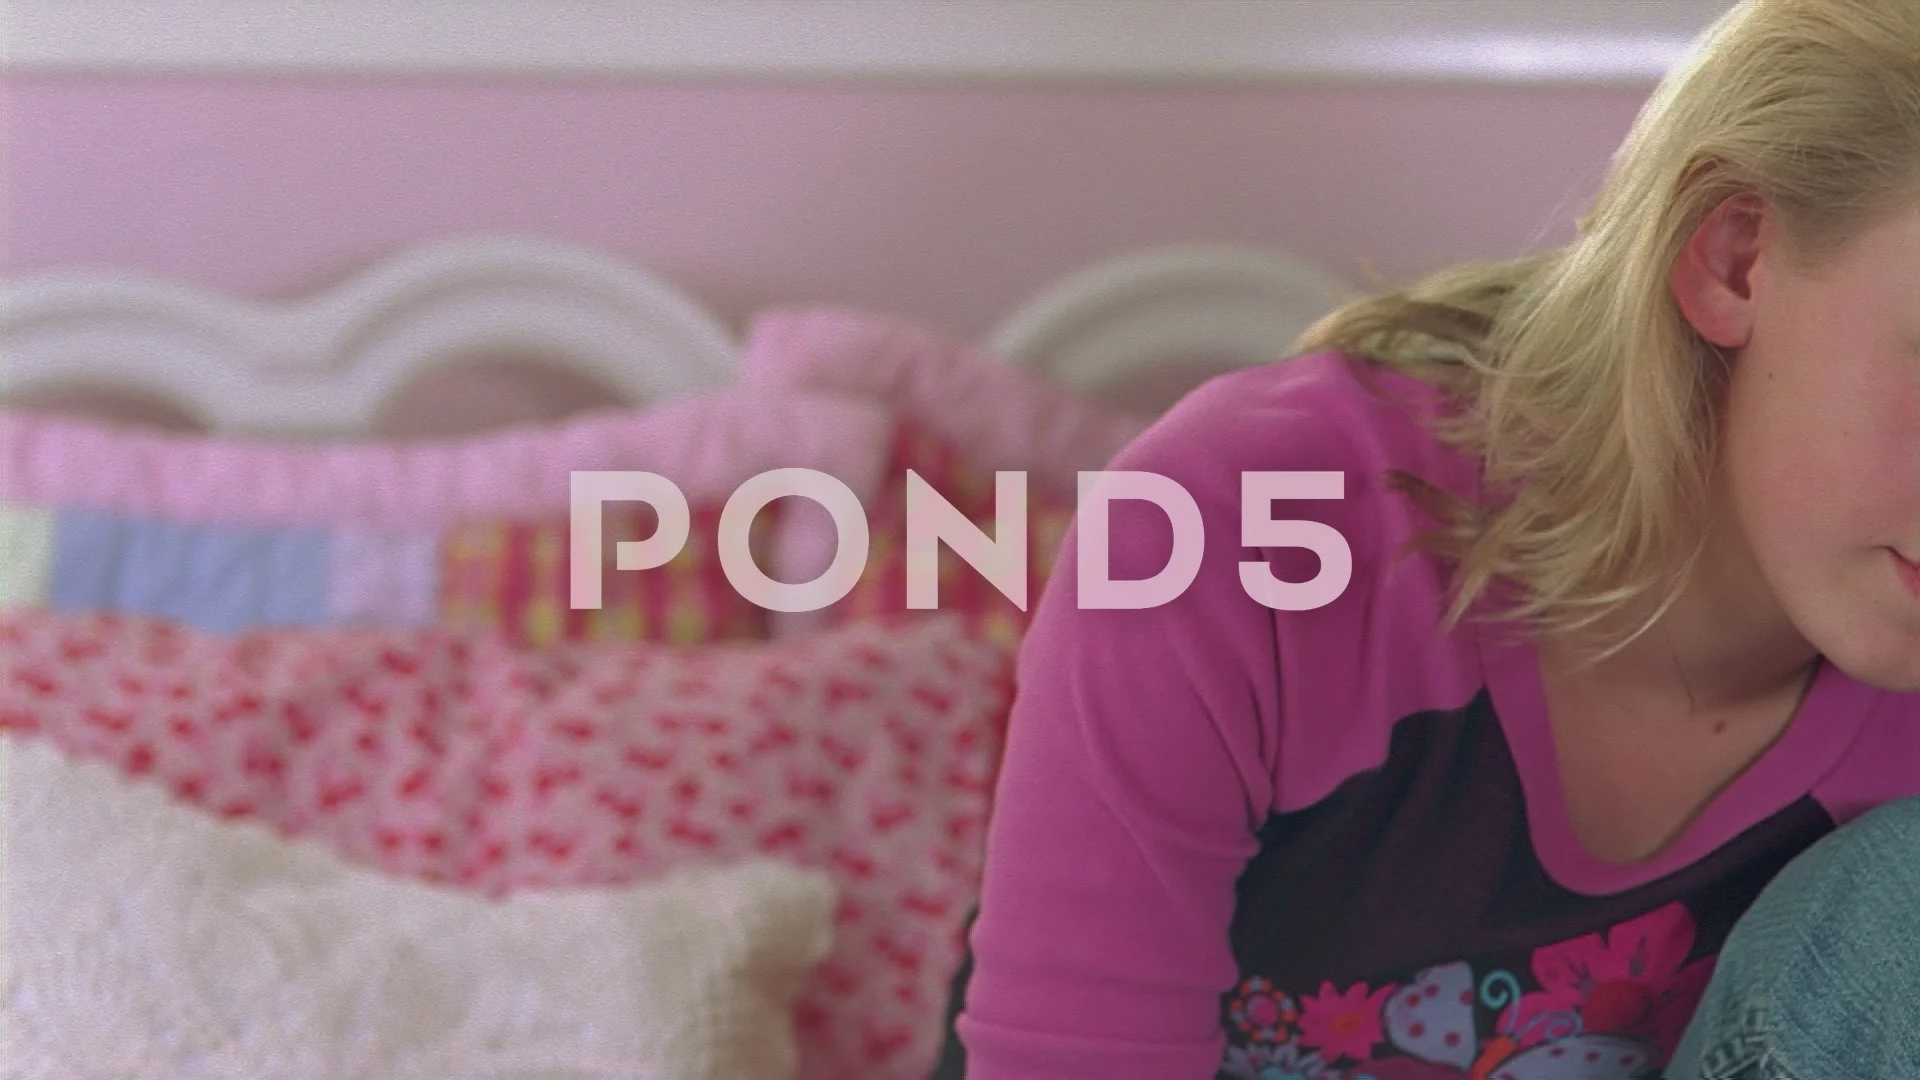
<point x="215" y="578"/>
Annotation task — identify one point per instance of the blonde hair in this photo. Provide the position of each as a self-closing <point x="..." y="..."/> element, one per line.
<point x="1582" y="388"/>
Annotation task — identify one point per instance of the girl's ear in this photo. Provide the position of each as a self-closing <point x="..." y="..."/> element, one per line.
<point x="1711" y="278"/>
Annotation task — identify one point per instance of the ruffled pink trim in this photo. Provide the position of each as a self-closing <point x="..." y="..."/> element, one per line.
<point x="707" y="444"/>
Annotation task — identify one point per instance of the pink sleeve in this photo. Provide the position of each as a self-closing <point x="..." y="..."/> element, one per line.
<point x="1137" y="773"/>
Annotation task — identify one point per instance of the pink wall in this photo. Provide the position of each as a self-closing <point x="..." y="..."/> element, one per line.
<point x="946" y="203"/>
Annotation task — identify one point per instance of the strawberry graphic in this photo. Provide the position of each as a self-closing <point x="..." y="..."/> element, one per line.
<point x="1432" y="1018"/>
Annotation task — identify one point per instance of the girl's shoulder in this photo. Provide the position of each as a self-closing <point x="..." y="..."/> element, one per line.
<point x="1316" y="412"/>
<point x="1376" y="652"/>
<point x="1882" y="760"/>
<point x="1324" y="412"/>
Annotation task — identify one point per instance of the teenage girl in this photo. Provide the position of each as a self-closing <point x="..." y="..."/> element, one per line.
<point x="1633" y="624"/>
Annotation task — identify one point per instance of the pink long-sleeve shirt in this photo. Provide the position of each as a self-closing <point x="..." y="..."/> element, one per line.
<point x="1234" y="841"/>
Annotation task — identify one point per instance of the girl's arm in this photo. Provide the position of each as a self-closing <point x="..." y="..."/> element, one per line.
<point x="1137" y="772"/>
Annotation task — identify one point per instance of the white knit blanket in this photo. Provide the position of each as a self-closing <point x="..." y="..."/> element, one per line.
<point x="144" y="940"/>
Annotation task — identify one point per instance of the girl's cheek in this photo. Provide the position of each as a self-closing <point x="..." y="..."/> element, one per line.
<point x="1899" y="459"/>
<point x="1903" y="424"/>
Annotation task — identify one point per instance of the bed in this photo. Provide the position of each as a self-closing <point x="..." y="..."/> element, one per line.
<point x="313" y="770"/>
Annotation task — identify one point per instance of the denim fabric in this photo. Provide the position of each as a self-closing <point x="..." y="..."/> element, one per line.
<point x="1821" y="979"/>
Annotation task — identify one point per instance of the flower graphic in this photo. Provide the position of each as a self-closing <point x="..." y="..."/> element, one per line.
<point x="1264" y="1014"/>
<point x="1343" y="1023"/>
<point x="1285" y="1061"/>
<point x="1633" y="980"/>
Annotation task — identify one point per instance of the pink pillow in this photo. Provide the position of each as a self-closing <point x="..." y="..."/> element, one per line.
<point x="992" y="415"/>
<point x="999" y="415"/>
<point x="453" y="757"/>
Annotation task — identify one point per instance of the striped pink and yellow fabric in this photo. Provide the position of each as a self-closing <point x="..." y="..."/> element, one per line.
<point x="514" y="576"/>
<point x="881" y="592"/>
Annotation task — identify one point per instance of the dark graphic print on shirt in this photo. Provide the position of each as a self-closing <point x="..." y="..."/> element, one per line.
<point x="1404" y="928"/>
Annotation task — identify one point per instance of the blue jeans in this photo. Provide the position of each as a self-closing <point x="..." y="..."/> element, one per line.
<point x="1820" y="980"/>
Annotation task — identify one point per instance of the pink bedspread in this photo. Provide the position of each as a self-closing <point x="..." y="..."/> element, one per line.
<point x="454" y="757"/>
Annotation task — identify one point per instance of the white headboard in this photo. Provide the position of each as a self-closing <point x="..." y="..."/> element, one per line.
<point x="327" y="363"/>
<point x="1136" y="331"/>
<point x="1141" y="329"/>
